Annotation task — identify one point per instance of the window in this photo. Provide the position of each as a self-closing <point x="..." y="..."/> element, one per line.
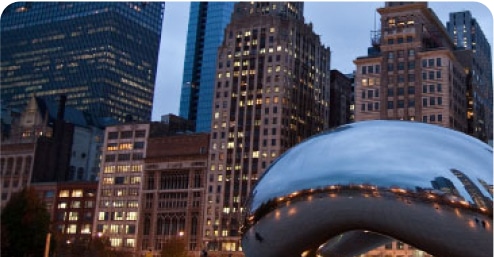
<point x="438" y="62"/>
<point x="400" y="40"/>
<point x="77" y="193"/>
<point x="424" y="119"/>
<point x="113" y="135"/>
<point x="431" y="62"/>
<point x="409" y="39"/>
<point x="138" y="145"/>
<point x="424" y="89"/>
<point x="438" y="74"/>
<point x="411" y="90"/>
<point x="390" y="105"/>
<point x="424" y="102"/>
<point x="411" y="52"/>
<point x="390" y="92"/>
<point x="391" y="41"/>
<point x="110" y="158"/>
<point x="439" y="101"/>
<point x="126" y="134"/>
<point x="124" y="157"/>
<point x="431" y="88"/>
<point x="440" y="117"/>
<point x="364" y="69"/>
<point x="63" y="193"/>
<point x="401" y="103"/>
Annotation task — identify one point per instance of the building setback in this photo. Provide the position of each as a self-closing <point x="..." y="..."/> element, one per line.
<point x="102" y="55"/>
<point x="271" y="92"/>
<point x="173" y="192"/>
<point x="207" y="21"/>
<point x="415" y="75"/>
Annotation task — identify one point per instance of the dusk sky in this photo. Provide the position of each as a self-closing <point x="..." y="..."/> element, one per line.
<point x="343" y="26"/>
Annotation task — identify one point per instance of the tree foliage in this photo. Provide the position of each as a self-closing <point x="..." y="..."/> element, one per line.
<point x="175" y="247"/>
<point x="25" y="223"/>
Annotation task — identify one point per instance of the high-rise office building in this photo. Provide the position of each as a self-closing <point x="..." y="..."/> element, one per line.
<point x="271" y="92"/>
<point x="207" y="21"/>
<point x="467" y="34"/>
<point x="412" y="72"/>
<point x="102" y="55"/>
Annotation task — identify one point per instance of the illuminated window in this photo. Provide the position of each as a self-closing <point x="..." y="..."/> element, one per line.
<point x="72" y="229"/>
<point x="63" y="193"/>
<point x="109" y="169"/>
<point x="107" y="181"/>
<point x="125" y="146"/>
<point x="118" y="215"/>
<point x="115" y="242"/>
<point x="112" y="147"/>
<point x="73" y="215"/>
<point x="132" y="204"/>
<point x="86" y="229"/>
<point x="131" y="215"/>
<point x="76" y="204"/>
<point x="62" y="205"/>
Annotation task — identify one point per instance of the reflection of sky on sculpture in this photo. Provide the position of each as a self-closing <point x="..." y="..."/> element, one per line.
<point x="382" y="153"/>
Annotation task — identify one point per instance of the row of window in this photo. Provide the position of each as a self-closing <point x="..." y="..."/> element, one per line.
<point x="400" y="40"/>
<point x="75" y="204"/>
<point x="432" y="118"/>
<point x="119" y="204"/>
<point x="126" y="134"/>
<point x="130" y="180"/>
<point x="124" y="157"/>
<point x="118" y="215"/>
<point x="72" y="228"/>
<point x="124" y="146"/>
<point x="120" y="192"/>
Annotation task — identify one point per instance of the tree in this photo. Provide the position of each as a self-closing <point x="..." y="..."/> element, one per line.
<point x="25" y="223"/>
<point x="175" y="247"/>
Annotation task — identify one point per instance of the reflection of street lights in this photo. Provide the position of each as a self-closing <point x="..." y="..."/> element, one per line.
<point x="181" y="233"/>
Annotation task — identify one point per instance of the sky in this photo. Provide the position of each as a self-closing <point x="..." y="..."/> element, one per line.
<point x="344" y="27"/>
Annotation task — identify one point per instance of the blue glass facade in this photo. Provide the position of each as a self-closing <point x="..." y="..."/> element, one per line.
<point x="207" y="21"/>
<point x="102" y="55"/>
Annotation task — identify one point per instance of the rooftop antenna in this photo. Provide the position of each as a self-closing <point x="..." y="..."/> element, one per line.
<point x="375" y="34"/>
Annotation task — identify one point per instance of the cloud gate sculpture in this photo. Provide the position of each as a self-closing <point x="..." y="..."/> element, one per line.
<point x="354" y="188"/>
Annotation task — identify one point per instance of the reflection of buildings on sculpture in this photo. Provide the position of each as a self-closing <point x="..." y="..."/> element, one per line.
<point x="445" y="185"/>
<point x="473" y="190"/>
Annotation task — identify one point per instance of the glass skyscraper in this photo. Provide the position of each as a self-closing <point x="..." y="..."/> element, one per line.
<point x="207" y="21"/>
<point x="102" y="55"/>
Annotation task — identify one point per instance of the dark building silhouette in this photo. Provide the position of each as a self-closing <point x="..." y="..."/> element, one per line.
<point x="340" y="95"/>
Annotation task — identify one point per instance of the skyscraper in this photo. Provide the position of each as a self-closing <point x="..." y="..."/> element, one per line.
<point x="412" y="72"/>
<point x="207" y="21"/>
<point x="102" y="55"/>
<point x="271" y="92"/>
<point x="467" y="34"/>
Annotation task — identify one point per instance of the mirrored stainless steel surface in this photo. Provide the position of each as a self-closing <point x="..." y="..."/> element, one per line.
<point x="358" y="169"/>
